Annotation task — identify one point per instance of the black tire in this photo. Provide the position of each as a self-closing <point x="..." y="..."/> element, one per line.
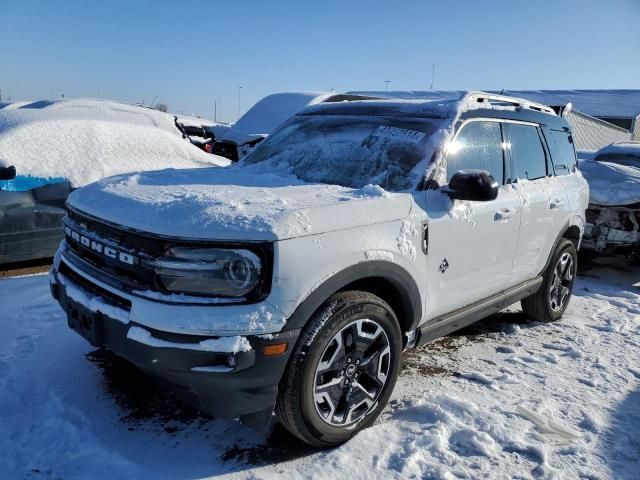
<point x="324" y="341"/>
<point x="551" y="300"/>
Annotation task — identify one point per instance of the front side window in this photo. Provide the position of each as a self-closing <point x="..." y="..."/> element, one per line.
<point x="478" y="146"/>
<point x="527" y="154"/>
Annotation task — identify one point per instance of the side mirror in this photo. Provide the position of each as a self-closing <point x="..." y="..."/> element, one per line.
<point x="474" y="185"/>
<point x="7" y="173"/>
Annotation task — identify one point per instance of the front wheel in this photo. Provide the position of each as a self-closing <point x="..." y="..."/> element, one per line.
<point x="549" y="303"/>
<point x="343" y="370"/>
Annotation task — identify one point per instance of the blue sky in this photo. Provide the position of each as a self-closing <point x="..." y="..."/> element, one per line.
<point x="192" y="53"/>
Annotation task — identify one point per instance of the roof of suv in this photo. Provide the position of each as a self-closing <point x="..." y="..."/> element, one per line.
<point x="469" y="104"/>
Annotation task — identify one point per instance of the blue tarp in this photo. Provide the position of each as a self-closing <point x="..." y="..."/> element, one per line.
<point x="24" y="183"/>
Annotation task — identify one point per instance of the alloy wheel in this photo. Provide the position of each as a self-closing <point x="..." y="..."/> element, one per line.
<point x="561" y="282"/>
<point x="351" y="373"/>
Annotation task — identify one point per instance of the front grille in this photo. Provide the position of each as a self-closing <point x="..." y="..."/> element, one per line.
<point x="117" y="273"/>
<point x="136" y="277"/>
<point x="94" y="289"/>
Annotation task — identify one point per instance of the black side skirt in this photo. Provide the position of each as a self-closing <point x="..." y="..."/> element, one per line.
<point x="450" y="322"/>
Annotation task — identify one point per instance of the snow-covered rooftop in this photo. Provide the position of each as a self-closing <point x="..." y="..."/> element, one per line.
<point x="597" y="103"/>
<point x="84" y="140"/>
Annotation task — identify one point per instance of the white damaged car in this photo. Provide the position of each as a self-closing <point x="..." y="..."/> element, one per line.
<point x="613" y="216"/>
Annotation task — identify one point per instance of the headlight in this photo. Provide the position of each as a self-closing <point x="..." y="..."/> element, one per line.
<point x="217" y="272"/>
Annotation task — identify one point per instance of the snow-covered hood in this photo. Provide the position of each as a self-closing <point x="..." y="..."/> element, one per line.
<point x="234" y="204"/>
<point x="611" y="184"/>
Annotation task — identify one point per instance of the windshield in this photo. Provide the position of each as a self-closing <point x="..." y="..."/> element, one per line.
<point x="348" y="150"/>
<point x="627" y="159"/>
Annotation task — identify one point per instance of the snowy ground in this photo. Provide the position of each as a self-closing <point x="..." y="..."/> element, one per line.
<point x="507" y="398"/>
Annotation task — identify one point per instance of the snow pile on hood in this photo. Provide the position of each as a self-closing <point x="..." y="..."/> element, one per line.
<point x="269" y="113"/>
<point x="233" y="203"/>
<point x="610" y="183"/>
<point x="84" y="140"/>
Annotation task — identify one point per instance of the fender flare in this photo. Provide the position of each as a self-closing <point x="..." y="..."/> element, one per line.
<point x="391" y="272"/>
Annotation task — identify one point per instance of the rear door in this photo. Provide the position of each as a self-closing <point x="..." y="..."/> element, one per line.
<point x="471" y="244"/>
<point x="542" y="198"/>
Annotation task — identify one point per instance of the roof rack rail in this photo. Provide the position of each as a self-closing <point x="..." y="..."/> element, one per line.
<point x="484" y="97"/>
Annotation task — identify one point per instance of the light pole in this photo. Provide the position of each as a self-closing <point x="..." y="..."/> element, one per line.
<point x="433" y="75"/>
<point x="239" y="92"/>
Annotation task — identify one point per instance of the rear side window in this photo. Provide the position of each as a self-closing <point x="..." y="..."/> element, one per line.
<point x="563" y="154"/>
<point x="527" y="153"/>
<point x="478" y="146"/>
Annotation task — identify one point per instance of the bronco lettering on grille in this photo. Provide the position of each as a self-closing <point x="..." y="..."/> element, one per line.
<point x="100" y="248"/>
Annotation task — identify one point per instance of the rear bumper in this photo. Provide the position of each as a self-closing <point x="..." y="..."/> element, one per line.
<point x="204" y="370"/>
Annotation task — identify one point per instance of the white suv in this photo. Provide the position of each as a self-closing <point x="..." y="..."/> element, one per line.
<point x="292" y="281"/>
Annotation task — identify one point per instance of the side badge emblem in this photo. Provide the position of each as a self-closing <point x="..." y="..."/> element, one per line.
<point x="444" y="265"/>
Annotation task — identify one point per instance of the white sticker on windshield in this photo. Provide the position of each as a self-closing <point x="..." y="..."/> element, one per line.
<point x="399" y="134"/>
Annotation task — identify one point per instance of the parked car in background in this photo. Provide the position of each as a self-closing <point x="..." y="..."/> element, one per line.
<point x="293" y="280"/>
<point x="613" y="216"/>
<point x="59" y="145"/>
<point x="201" y="131"/>
<point x="261" y="119"/>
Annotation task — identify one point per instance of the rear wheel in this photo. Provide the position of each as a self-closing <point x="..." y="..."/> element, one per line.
<point x="549" y="303"/>
<point x="343" y="370"/>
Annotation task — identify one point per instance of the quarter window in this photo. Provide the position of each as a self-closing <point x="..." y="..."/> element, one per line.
<point x="527" y="153"/>
<point x="564" y="158"/>
<point x="478" y="146"/>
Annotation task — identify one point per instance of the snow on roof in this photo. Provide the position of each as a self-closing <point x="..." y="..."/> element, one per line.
<point x="84" y="140"/>
<point x="438" y="108"/>
<point x="190" y="121"/>
<point x="628" y="148"/>
<point x="270" y="112"/>
<point x="597" y="103"/>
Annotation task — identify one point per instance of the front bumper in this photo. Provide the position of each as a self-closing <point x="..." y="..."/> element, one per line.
<point x="222" y="380"/>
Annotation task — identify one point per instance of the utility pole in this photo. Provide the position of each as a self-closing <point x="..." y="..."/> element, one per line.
<point x="433" y="75"/>
<point x="386" y="85"/>
<point x="239" y="92"/>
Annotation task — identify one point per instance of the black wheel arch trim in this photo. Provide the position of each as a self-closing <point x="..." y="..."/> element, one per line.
<point x="396" y="275"/>
<point x="562" y="236"/>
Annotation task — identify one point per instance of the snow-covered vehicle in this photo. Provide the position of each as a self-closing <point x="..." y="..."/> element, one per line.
<point x="293" y="280"/>
<point x="201" y="131"/>
<point x="59" y="145"/>
<point x="262" y="119"/>
<point x="613" y="216"/>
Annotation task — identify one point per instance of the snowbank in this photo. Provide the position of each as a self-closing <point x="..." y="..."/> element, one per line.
<point x="268" y="113"/>
<point x="84" y="140"/>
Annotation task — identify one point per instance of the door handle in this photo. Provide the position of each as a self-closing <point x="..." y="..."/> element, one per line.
<point x="504" y="214"/>
<point x="556" y="204"/>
